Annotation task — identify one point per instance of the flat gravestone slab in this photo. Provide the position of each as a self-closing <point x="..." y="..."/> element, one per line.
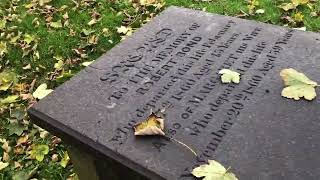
<point x="172" y="63"/>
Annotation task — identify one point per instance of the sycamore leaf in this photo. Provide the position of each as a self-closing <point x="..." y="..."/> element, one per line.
<point x="65" y="160"/>
<point x="229" y="76"/>
<point x="297" y="85"/>
<point x="39" y="151"/>
<point x="213" y="171"/>
<point x="56" y="24"/>
<point x="153" y="125"/>
<point x="3" y="165"/>
<point x="41" y="91"/>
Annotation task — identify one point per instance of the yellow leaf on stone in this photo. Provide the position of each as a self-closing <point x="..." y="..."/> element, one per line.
<point x="41" y="91"/>
<point x="229" y="76"/>
<point x="153" y="125"/>
<point x="297" y="85"/>
<point x="213" y="171"/>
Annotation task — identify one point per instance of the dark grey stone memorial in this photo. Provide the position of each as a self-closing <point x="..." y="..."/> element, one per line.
<point x="173" y="63"/>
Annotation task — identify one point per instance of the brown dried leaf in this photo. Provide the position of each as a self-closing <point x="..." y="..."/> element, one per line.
<point x="153" y="125"/>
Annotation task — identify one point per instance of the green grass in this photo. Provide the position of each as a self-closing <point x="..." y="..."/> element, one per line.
<point x="53" y="43"/>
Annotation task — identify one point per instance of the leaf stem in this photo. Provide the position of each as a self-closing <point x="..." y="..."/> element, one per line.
<point x="183" y="144"/>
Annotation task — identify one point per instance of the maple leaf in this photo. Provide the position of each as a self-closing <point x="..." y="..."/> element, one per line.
<point x="153" y="125"/>
<point x="41" y="91"/>
<point x="229" y="76"/>
<point x="297" y="85"/>
<point x="213" y="171"/>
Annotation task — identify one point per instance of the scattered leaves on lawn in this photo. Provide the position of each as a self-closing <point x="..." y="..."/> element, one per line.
<point x="229" y="76"/>
<point x="297" y="85"/>
<point x="153" y="125"/>
<point x="39" y="151"/>
<point x="213" y="171"/>
<point x="41" y="91"/>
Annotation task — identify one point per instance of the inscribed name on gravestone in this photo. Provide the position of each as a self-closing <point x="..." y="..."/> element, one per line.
<point x="172" y="63"/>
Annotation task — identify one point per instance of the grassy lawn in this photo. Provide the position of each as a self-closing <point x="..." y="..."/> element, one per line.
<point x="47" y="41"/>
